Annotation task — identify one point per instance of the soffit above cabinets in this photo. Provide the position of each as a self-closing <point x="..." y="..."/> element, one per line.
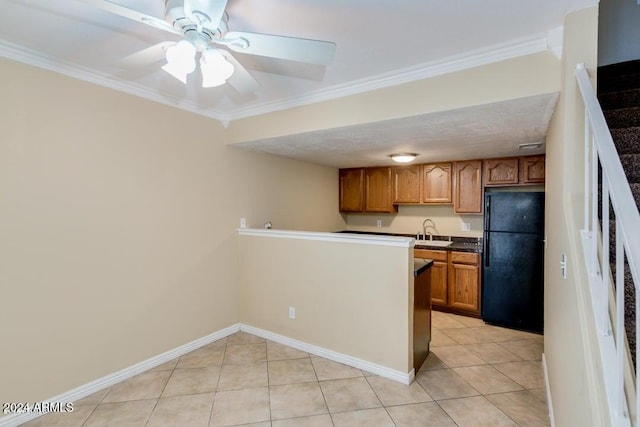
<point x="486" y="131"/>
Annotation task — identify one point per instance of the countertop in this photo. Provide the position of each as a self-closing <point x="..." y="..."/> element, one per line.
<point x="455" y="246"/>
<point x="420" y="265"/>
<point x="460" y="244"/>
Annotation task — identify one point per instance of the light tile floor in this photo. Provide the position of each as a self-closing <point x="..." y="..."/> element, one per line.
<point x="476" y="375"/>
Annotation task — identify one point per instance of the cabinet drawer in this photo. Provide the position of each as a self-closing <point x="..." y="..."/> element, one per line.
<point x="430" y="254"/>
<point x="465" y="258"/>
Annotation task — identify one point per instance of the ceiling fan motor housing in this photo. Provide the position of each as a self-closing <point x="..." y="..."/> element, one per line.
<point x="177" y="17"/>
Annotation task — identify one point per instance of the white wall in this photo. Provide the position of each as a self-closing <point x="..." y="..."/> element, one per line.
<point x="576" y="381"/>
<point x="619" y="31"/>
<point x="351" y="298"/>
<point x="118" y="221"/>
<point x="409" y="220"/>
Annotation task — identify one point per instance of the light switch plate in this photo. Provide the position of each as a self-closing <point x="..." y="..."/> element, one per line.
<point x="465" y="226"/>
<point x="243" y="222"/>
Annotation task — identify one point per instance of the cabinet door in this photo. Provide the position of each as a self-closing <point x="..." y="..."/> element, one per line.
<point x="501" y="171"/>
<point x="464" y="289"/>
<point x="436" y="183"/>
<point x="406" y="184"/>
<point x="438" y="272"/>
<point x="377" y="191"/>
<point x="351" y="190"/>
<point x="467" y="187"/>
<point x="533" y="170"/>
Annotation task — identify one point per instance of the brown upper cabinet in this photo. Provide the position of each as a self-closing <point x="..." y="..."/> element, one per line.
<point x="352" y="190"/>
<point x="366" y="190"/>
<point x="407" y="184"/>
<point x="467" y="187"/>
<point x="532" y="169"/>
<point x="527" y="170"/>
<point x="428" y="183"/>
<point x="381" y="189"/>
<point x="436" y="183"/>
<point x="377" y="190"/>
<point x="501" y="171"/>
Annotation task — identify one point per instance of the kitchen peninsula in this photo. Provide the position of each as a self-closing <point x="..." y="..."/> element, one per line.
<point x="346" y="297"/>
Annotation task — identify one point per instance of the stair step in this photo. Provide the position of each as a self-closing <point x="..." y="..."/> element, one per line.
<point x="621" y="68"/>
<point x="614" y="84"/>
<point x="616" y="77"/>
<point x="627" y="140"/>
<point x="623" y="117"/>
<point x="630" y="312"/>
<point x="635" y="191"/>
<point x="631" y="166"/>
<point x="620" y="99"/>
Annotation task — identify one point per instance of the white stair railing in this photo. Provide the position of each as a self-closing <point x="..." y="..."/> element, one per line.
<point x="603" y="167"/>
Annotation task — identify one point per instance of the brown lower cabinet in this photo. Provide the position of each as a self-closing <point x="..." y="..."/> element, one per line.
<point x="455" y="280"/>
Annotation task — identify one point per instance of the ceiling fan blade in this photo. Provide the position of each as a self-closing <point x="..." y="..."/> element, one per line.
<point x="240" y="80"/>
<point x="145" y="56"/>
<point x="291" y="48"/>
<point x="133" y="15"/>
<point x="207" y="13"/>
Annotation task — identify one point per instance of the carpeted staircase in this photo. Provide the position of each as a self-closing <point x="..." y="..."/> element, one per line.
<point x="619" y="96"/>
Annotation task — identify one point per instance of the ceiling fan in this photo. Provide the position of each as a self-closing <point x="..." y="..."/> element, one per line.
<point x="203" y="27"/>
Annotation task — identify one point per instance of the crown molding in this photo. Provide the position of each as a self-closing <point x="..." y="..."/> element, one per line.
<point x="37" y="59"/>
<point x="495" y="53"/>
<point x="471" y="59"/>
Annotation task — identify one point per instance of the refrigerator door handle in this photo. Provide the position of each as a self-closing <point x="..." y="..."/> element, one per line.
<point x="487" y="224"/>
<point x="485" y="249"/>
<point x="487" y="212"/>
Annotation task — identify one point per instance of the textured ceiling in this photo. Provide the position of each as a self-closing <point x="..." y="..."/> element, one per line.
<point x="491" y="130"/>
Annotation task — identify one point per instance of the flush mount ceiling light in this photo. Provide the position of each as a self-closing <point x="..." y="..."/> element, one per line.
<point x="181" y="61"/>
<point x="403" y="157"/>
<point x="530" y="146"/>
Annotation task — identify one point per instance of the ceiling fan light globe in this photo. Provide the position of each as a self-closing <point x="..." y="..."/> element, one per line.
<point x="208" y="81"/>
<point x="176" y="71"/>
<point x="183" y="52"/>
<point x="215" y="68"/>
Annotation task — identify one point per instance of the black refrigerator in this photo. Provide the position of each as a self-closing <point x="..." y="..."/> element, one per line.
<point x="513" y="260"/>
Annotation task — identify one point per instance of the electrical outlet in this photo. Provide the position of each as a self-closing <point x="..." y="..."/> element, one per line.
<point x="243" y="222"/>
<point x="379" y="223"/>
<point x="465" y="226"/>
<point x="292" y="312"/>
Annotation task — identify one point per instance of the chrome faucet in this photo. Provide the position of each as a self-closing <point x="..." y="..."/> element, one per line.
<point x="426" y="224"/>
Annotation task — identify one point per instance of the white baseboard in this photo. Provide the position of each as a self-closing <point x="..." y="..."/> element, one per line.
<point x="78" y="393"/>
<point x="401" y="377"/>
<point x="548" y="390"/>
<point x="124" y="374"/>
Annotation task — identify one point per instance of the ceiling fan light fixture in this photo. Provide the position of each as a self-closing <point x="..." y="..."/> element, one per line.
<point x="180" y="60"/>
<point x="215" y="68"/>
<point x="403" y="157"/>
<point x="176" y="71"/>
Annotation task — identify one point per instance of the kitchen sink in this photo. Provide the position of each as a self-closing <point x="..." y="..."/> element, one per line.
<point x="438" y="243"/>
